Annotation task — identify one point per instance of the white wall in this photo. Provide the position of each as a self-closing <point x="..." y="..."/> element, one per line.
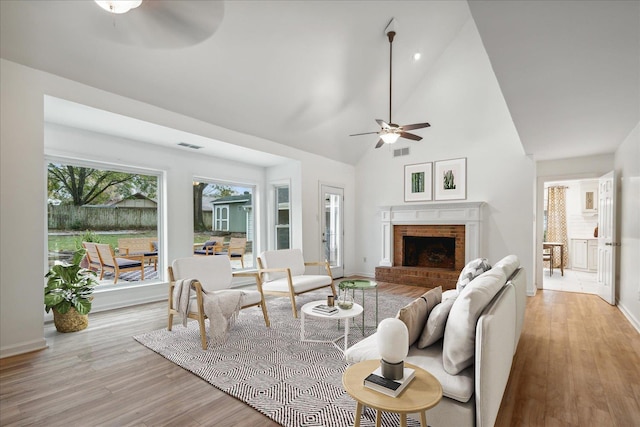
<point x="627" y="166"/>
<point x="23" y="183"/>
<point x="469" y="118"/>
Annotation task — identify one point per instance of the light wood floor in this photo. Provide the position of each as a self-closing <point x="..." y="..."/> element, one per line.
<point x="578" y="363"/>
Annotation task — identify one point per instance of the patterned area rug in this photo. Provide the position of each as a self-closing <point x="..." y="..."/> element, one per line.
<point x="133" y="276"/>
<point x="293" y="383"/>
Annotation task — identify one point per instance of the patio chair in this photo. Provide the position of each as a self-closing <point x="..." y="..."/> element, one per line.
<point x="209" y="247"/>
<point x="118" y="265"/>
<point x="93" y="258"/>
<point x="236" y="249"/>
<point x="282" y="272"/>
<point x="212" y="274"/>
<point x="145" y="246"/>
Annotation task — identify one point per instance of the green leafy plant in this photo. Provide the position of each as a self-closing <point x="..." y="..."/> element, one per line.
<point x="87" y="236"/>
<point x="69" y="285"/>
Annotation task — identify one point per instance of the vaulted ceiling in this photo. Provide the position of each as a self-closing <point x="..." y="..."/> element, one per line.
<point x="309" y="73"/>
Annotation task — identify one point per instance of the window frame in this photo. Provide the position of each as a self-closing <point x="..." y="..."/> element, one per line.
<point x="160" y="213"/>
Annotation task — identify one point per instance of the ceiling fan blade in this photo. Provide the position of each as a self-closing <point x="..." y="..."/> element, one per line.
<point x="383" y="124"/>
<point x="380" y="143"/>
<point x="164" y="24"/>
<point x="365" y="133"/>
<point x="410" y="136"/>
<point x="416" y="126"/>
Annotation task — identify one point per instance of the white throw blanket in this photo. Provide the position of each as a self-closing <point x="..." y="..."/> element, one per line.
<point x="220" y="307"/>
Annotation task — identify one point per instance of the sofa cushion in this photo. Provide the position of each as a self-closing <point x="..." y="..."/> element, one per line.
<point x="450" y="293"/>
<point x="415" y="314"/>
<point x="460" y="332"/>
<point x="458" y="387"/>
<point x="434" y="328"/>
<point x="302" y="283"/>
<point x="509" y="264"/>
<point x="472" y="270"/>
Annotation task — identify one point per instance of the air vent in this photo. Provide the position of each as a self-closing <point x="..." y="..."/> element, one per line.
<point x="401" y="152"/>
<point x="194" y="147"/>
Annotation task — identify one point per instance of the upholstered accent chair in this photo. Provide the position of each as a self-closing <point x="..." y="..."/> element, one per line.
<point x="212" y="274"/>
<point x="282" y="273"/>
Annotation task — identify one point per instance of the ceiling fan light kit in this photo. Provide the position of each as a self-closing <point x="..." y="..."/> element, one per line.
<point x="118" y="6"/>
<point x="390" y="132"/>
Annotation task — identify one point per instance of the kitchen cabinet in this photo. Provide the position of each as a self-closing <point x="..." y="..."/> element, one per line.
<point x="592" y="255"/>
<point x="584" y="254"/>
<point x="589" y="197"/>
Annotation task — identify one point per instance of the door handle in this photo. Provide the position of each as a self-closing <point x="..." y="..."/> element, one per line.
<point x="612" y="244"/>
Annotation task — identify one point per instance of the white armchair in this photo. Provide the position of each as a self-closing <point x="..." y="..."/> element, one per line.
<point x="213" y="274"/>
<point x="282" y="273"/>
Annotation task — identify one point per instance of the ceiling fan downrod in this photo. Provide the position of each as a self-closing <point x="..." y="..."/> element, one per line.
<point x="391" y="35"/>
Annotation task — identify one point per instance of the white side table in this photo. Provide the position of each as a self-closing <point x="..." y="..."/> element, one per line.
<point x="307" y="310"/>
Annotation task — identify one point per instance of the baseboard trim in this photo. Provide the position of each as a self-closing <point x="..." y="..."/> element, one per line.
<point x="25" y="347"/>
<point x="627" y="313"/>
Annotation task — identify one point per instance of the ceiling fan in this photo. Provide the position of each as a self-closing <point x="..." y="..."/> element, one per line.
<point x="159" y="24"/>
<point x="390" y="132"/>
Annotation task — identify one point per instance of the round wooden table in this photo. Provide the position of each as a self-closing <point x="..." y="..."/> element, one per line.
<point x="424" y="392"/>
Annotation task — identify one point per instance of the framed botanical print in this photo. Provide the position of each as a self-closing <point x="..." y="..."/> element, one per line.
<point x="450" y="179"/>
<point x="417" y="182"/>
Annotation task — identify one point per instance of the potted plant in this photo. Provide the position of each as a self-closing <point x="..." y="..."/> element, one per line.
<point x="68" y="293"/>
<point x="345" y="299"/>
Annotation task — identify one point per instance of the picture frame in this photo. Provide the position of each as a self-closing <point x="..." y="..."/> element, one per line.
<point x="450" y="179"/>
<point x="418" y="182"/>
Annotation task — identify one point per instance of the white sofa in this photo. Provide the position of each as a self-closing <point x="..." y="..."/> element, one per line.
<point x="473" y="396"/>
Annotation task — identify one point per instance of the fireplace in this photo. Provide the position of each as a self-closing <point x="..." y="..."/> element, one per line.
<point x="428" y="245"/>
<point x="429" y="252"/>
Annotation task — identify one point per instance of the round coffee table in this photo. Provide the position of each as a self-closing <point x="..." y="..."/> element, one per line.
<point x="307" y="310"/>
<point x="423" y="392"/>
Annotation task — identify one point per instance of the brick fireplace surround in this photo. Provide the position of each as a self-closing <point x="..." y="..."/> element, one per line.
<point x="461" y="221"/>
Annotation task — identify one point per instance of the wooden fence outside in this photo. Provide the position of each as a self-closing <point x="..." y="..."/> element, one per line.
<point x="65" y="217"/>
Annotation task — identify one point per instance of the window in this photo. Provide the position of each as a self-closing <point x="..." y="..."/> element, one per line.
<point x="223" y="213"/>
<point x="99" y="204"/>
<point x="283" y="240"/>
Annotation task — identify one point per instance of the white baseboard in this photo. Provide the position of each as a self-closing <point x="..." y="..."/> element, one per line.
<point x="627" y="313"/>
<point x="25" y="347"/>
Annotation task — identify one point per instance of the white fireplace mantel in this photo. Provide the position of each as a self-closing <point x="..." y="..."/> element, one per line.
<point x="468" y="214"/>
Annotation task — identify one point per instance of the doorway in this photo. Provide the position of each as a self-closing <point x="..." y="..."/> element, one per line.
<point x="332" y="232"/>
<point x="576" y="272"/>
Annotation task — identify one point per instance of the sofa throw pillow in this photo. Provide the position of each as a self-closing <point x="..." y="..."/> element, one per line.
<point x="434" y="328"/>
<point x="415" y="314"/>
<point x="458" y="348"/>
<point x="472" y="270"/>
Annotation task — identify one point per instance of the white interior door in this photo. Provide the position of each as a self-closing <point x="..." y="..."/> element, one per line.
<point x="332" y="202"/>
<point x="607" y="238"/>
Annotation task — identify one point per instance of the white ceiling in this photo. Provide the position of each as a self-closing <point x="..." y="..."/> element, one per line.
<point x="309" y="73"/>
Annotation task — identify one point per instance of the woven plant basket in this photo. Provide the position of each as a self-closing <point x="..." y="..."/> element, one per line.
<point x="71" y="321"/>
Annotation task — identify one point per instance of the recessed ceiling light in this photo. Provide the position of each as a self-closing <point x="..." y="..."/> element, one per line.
<point x="417" y="56"/>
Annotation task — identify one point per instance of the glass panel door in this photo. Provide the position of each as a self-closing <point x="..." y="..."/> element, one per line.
<point x="332" y="201"/>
